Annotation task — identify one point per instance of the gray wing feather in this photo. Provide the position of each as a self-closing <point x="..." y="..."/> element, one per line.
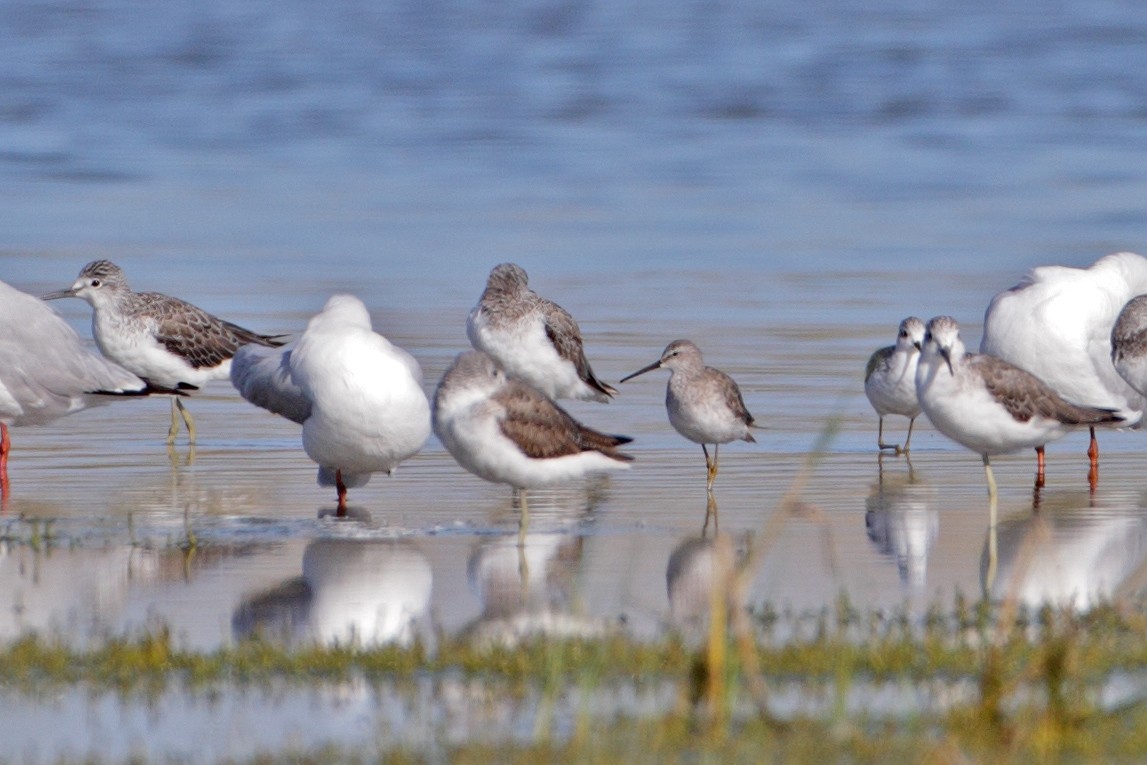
<point x="263" y="376"/>
<point x="1025" y="396"/>
<point x="45" y="366"/>
<point x="565" y="335"/>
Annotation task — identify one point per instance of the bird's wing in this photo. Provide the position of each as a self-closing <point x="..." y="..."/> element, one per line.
<point x="565" y="335"/>
<point x="263" y="376"/>
<point x="1025" y="396"/>
<point x="202" y="339"/>
<point x="542" y="429"/>
<point x="878" y="357"/>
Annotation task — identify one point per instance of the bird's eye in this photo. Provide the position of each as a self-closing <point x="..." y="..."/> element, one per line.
<point x="95" y="282"/>
<point x="927" y="337"/>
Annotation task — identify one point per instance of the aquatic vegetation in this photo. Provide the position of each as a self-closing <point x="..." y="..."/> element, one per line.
<point x="975" y="683"/>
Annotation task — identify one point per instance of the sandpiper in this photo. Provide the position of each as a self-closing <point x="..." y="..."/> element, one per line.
<point x="166" y="341"/>
<point x="358" y="397"/>
<point x="504" y="430"/>
<point x="532" y="338"/>
<point x="890" y="380"/>
<point x="1129" y="344"/>
<point x="704" y="403"/>
<point x="46" y="373"/>
<point x="1056" y="323"/>
<point x="988" y="405"/>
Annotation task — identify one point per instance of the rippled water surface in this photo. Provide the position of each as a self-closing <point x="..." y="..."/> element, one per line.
<point x="781" y="183"/>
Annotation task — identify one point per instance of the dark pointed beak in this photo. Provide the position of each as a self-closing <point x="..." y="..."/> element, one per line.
<point x="946" y="353"/>
<point x="643" y="370"/>
<point x="57" y="295"/>
<point x="918" y="345"/>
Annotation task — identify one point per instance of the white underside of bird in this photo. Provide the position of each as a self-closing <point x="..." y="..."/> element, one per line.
<point x="892" y="389"/>
<point x="698" y="410"/>
<point x="133" y="345"/>
<point x="528" y="353"/>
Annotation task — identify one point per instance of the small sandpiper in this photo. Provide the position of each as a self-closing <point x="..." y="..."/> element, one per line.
<point x="704" y="403"/>
<point x="45" y="371"/>
<point x="504" y="430"/>
<point x="358" y="397"/>
<point x="166" y="341"/>
<point x="890" y="380"/>
<point x="1129" y="343"/>
<point x="532" y="338"/>
<point x="988" y="405"/>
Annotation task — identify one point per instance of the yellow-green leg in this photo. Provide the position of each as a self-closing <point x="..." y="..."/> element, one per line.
<point x="991" y="479"/>
<point x="178" y="411"/>
<point x="710" y="466"/>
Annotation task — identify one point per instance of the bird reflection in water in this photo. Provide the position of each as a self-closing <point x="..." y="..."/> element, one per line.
<point x="1076" y="552"/>
<point x="527" y="582"/>
<point x="902" y="522"/>
<point x="351" y="592"/>
<point x="698" y="582"/>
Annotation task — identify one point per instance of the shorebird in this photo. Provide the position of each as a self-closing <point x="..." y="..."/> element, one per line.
<point x="890" y="380"/>
<point x="1057" y="322"/>
<point x="1129" y="344"/>
<point x="704" y="403"/>
<point x="532" y="338"/>
<point x="358" y="397"/>
<point x="988" y="405"/>
<point x="164" y="340"/>
<point x="45" y="371"/>
<point x="504" y="430"/>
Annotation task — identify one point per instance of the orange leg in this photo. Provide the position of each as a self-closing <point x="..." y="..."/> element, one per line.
<point x="5" y="447"/>
<point x="1040" y="464"/>
<point x="341" y="488"/>
<point x="1093" y="454"/>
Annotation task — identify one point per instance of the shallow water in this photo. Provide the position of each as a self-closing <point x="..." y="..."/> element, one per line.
<point x="780" y="183"/>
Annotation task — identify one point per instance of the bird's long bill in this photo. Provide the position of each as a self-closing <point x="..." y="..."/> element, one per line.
<point x="947" y="360"/>
<point x="57" y="295"/>
<point x="643" y="370"/>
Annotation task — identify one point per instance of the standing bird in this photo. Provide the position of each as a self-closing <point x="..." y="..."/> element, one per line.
<point x="890" y="380"/>
<point x="1056" y="323"/>
<point x="165" y="340"/>
<point x="46" y="373"/>
<point x="532" y="338"/>
<point x="358" y="397"/>
<point x="503" y="430"/>
<point x="704" y="403"/>
<point x="988" y="405"/>
<point x="1129" y="344"/>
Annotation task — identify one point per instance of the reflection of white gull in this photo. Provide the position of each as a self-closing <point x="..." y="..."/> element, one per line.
<point x="352" y="592"/>
<point x="1056" y="323"/>
<point x="45" y="372"/>
<point x="903" y="524"/>
<point x="1076" y="557"/>
<point x="359" y="398"/>
<point x="695" y="568"/>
